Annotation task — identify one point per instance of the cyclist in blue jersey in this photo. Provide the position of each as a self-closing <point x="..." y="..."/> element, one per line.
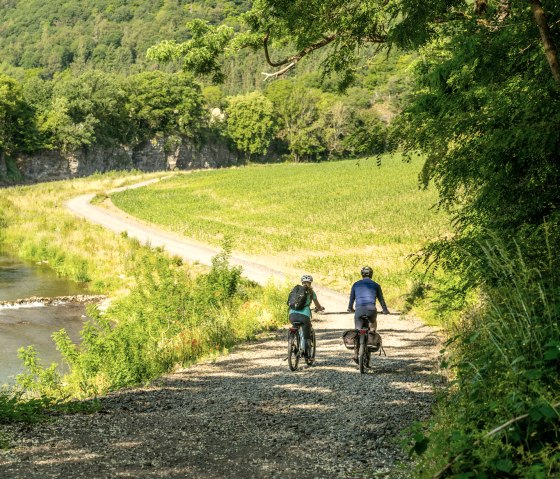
<point x="364" y="294"/>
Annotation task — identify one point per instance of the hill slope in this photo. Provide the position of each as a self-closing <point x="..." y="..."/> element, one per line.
<point x="107" y="34"/>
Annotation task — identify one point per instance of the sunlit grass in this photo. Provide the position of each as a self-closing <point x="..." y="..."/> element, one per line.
<point x="327" y="219"/>
<point x="35" y="225"/>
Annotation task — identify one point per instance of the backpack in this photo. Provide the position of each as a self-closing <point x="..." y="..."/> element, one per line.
<point x="298" y="297"/>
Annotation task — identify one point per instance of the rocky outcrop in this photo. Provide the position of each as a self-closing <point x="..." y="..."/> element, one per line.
<point x="155" y="155"/>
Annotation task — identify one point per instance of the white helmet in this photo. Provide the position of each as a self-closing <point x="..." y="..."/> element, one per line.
<point x="307" y="278"/>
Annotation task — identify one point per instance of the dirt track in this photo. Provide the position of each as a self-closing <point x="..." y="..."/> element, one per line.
<point x="246" y="415"/>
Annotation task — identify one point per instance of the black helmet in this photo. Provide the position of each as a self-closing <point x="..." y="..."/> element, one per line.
<point x="366" y="271"/>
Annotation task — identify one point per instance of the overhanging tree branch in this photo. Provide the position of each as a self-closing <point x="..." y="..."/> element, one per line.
<point x="294" y="59"/>
<point x="291" y="62"/>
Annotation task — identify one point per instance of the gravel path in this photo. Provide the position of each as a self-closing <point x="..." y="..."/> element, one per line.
<point x="246" y="415"/>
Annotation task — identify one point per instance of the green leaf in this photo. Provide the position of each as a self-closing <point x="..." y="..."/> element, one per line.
<point x="535" y="413"/>
<point x="548" y="411"/>
<point x="552" y="353"/>
<point x="504" y="465"/>
<point x="533" y="374"/>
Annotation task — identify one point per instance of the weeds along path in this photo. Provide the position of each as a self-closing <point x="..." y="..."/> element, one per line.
<point x="245" y="415"/>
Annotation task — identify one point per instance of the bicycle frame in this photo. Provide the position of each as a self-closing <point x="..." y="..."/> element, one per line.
<point x="296" y="346"/>
<point x="299" y="333"/>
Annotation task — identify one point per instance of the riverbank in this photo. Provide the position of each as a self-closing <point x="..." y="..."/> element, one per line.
<point x="57" y="300"/>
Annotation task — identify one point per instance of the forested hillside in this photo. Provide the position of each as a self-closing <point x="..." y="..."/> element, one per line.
<point x="111" y="35"/>
<point x="76" y="75"/>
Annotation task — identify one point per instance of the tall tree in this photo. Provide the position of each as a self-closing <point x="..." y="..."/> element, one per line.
<point x="164" y="103"/>
<point x="16" y="117"/>
<point x="250" y="122"/>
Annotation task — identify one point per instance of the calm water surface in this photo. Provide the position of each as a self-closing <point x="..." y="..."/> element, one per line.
<point x="19" y="279"/>
<point x="27" y="325"/>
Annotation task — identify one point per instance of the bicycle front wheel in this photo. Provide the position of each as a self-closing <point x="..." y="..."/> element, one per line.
<point x="293" y="356"/>
<point x="310" y="359"/>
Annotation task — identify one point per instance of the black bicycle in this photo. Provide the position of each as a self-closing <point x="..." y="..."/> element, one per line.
<point x="296" y="346"/>
<point x="367" y="341"/>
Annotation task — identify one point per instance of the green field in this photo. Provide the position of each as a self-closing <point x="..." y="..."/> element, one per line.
<point x="327" y="219"/>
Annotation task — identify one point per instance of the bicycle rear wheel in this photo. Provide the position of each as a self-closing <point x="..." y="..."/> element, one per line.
<point x="293" y="353"/>
<point x="310" y="359"/>
<point x="362" y="354"/>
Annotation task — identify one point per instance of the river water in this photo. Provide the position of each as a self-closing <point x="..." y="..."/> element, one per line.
<point x="33" y="324"/>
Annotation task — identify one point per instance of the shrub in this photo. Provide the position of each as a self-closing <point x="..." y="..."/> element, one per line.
<point x="500" y="416"/>
<point x="169" y="318"/>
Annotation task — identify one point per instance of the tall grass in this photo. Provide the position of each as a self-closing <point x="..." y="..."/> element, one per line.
<point x="327" y="218"/>
<point x="35" y="226"/>
<point x="500" y="417"/>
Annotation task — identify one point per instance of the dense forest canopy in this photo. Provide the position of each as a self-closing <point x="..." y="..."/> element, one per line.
<point x="106" y="34"/>
<point x="75" y="74"/>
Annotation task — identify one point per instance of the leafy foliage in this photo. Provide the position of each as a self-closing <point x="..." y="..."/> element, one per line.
<point x="200" y="53"/>
<point x="72" y="112"/>
<point x="346" y="27"/>
<point x="504" y="400"/>
<point x="15" y="407"/>
<point x="14" y="116"/>
<point x="168" y="319"/>
<point x="250" y="122"/>
<point x="163" y="103"/>
<point x="487" y="113"/>
<point x="111" y="35"/>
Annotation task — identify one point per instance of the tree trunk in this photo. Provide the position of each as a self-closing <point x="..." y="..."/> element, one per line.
<point x="549" y="47"/>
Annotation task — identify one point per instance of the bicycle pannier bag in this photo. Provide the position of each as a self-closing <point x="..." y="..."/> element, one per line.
<point x="349" y="338"/>
<point x="374" y="342"/>
<point x="298" y="297"/>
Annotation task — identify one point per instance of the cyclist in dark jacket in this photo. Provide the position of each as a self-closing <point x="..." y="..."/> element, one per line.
<point x="365" y="293"/>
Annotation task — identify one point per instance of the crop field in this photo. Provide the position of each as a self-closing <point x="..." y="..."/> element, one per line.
<point x="326" y="219"/>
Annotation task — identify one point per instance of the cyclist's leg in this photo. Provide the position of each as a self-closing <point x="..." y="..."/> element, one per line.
<point x="306" y="326"/>
<point x="307" y="333"/>
<point x="372" y="317"/>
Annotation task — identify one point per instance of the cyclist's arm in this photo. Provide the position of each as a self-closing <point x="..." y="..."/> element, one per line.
<point x="381" y="300"/>
<point x="352" y="298"/>
<point x="318" y="307"/>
